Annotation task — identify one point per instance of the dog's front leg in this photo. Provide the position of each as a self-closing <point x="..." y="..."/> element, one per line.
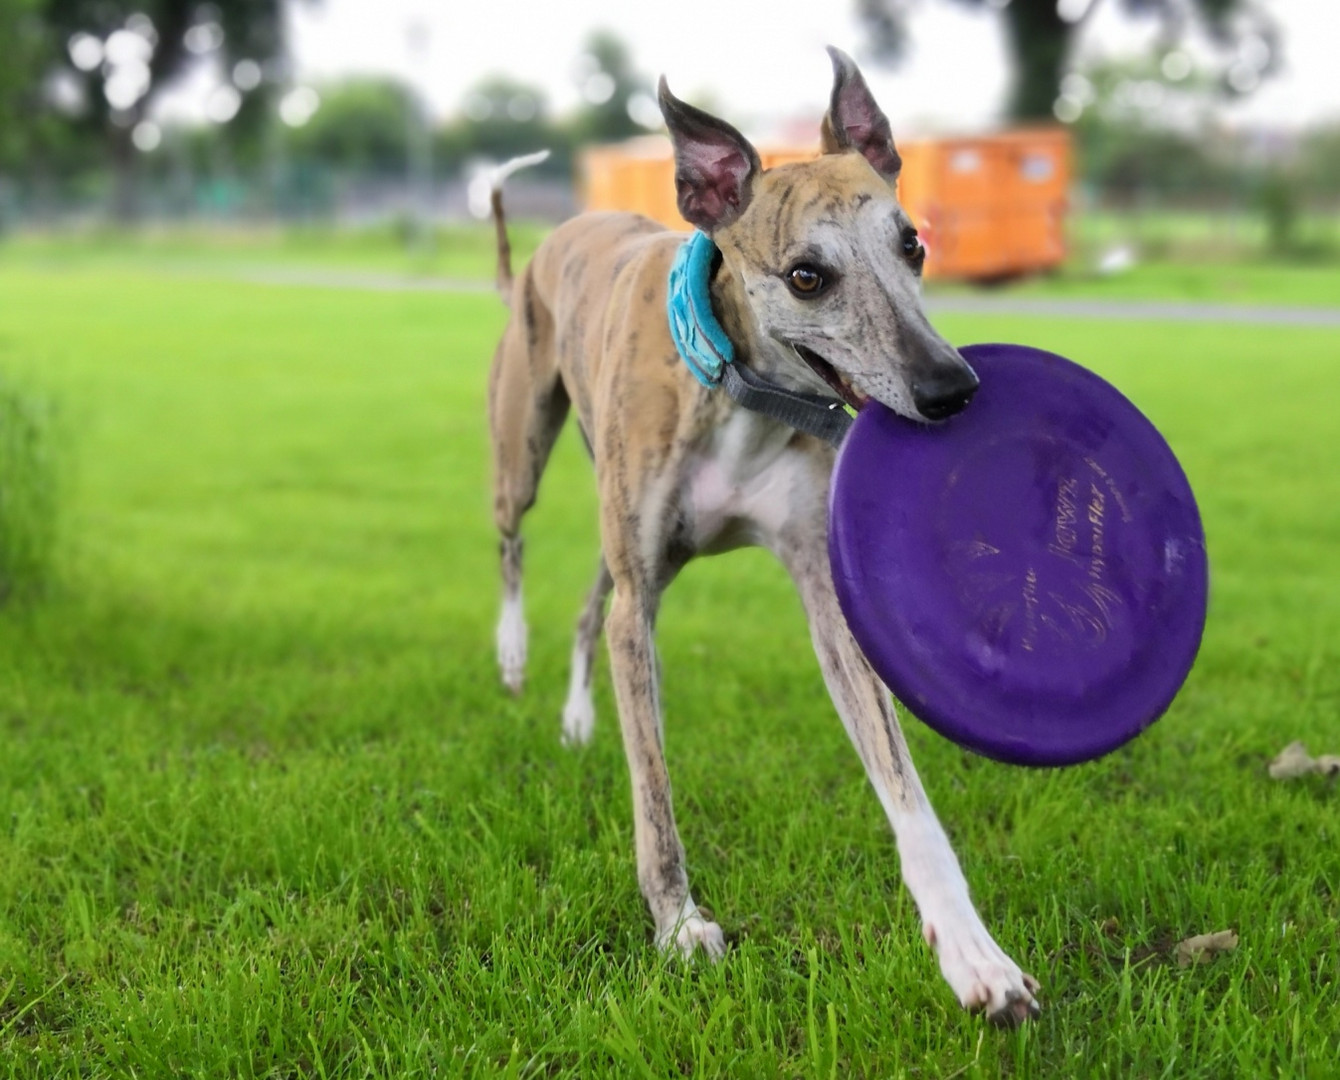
<point x="976" y="968"/>
<point x="660" y="855"/>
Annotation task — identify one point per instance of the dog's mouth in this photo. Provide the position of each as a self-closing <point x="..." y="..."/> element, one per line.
<point x="832" y="377"/>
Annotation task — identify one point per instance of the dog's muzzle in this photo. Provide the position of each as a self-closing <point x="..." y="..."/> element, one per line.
<point x="940" y="396"/>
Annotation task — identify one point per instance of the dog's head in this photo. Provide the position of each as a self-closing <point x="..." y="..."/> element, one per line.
<point x="828" y="262"/>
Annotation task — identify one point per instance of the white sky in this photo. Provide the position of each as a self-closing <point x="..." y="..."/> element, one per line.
<point x="762" y="60"/>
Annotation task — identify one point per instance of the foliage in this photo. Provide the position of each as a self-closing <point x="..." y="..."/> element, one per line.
<point x="28" y="492"/>
<point x="231" y="30"/>
<point x="1143" y="138"/>
<point x="611" y="87"/>
<point x="362" y="125"/>
<point x="1141" y="134"/>
<point x="1319" y="165"/>
<point x="504" y="117"/>
<point x="1040" y="37"/>
<point x="1277" y="196"/>
<point x="21" y="45"/>
<point x="250" y="30"/>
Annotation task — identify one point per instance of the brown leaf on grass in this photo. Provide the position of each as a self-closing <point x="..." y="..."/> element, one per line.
<point x="1294" y="761"/>
<point x="1203" y="948"/>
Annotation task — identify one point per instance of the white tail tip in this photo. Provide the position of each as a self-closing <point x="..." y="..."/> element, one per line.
<point x="516" y="164"/>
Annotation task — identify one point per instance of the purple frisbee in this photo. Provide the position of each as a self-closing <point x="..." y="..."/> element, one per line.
<point x="1029" y="577"/>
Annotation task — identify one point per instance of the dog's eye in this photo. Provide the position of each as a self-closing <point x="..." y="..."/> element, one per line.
<point x="911" y="245"/>
<point x="805" y="280"/>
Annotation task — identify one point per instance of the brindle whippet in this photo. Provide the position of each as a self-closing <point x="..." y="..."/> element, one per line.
<point x="818" y="288"/>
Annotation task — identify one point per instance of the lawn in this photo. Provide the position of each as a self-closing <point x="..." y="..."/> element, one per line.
<point x="269" y="813"/>
<point x="455" y="252"/>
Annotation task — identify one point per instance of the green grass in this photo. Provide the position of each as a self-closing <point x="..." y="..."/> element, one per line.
<point x="457" y="251"/>
<point x="268" y="813"/>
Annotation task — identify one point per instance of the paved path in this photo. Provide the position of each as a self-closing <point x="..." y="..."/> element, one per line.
<point x="1156" y="310"/>
<point x="1164" y="310"/>
<point x="364" y="280"/>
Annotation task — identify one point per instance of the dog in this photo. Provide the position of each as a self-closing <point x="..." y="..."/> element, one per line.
<point x="818" y="290"/>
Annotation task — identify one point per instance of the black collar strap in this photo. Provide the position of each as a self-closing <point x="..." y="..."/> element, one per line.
<point x="822" y="417"/>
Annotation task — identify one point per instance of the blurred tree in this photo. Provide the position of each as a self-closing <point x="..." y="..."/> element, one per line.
<point x="1147" y="139"/>
<point x="1278" y="197"/>
<point x="1319" y="166"/>
<point x="1141" y="134"/>
<point x="612" y="90"/>
<point x="502" y="118"/>
<point x="1040" y="34"/>
<point x="362" y="125"/>
<point x="116" y="55"/>
<point x="1315" y="177"/>
<point x="21" y="45"/>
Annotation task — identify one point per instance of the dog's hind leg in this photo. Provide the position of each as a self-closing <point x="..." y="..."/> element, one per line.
<point x="579" y="712"/>
<point x="511" y="632"/>
<point x="527" y="407"/>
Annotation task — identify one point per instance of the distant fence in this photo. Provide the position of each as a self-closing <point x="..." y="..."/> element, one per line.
<point x="298" y="195"/>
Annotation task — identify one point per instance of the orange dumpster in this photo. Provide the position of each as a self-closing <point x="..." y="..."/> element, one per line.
<point x="992" y="206"/>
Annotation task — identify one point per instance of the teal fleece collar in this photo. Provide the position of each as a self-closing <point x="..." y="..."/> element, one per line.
<point x="693" y="324"/>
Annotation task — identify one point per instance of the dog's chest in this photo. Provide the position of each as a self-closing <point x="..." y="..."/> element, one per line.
<point x="745" y="487"/>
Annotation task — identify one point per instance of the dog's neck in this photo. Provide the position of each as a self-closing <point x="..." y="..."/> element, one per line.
<point x="731" y="306"/>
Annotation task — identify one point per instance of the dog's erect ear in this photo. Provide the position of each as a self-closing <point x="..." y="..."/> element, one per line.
<point x="715" y="167"/>
<point x="855" y="122"/>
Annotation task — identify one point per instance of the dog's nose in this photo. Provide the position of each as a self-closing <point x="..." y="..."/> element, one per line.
<point x="945" y="393"/>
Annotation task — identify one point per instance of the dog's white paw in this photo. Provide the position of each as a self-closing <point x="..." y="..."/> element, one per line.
<point x="512" y="645"/>
<point x="579" y="718"/>
<point x="979" y="972"/>
<point x="691" y="933"/>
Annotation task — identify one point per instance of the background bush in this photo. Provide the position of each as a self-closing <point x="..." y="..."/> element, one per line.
<point x="28" y="491"/>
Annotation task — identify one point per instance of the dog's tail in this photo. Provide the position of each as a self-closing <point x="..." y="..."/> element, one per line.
<point x="503" y="171"/>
